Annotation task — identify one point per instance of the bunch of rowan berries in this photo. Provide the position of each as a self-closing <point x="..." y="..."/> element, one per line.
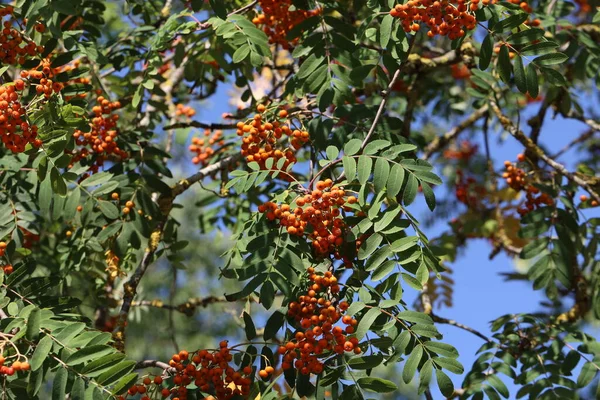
<point x="15" y="131"/>
<point x="465" y="151"/>
<point x="147" y="388"/>
<point x="182" y="110"/>
<point x="102" y="138"/>
<point x="584" y="6"/>
<point x="468" y="191"/>
<point x="511" y="54"/>
<point x="317" y="216"/>
<point x="277" y="20"/>
<point x="516" y="178"/>
<point x="43" y="73"/>
<point x="523" y="4"/>
<point x="14" y="47"/>
<point x="317" y="313"/>
<point x="210" y="371"/>
<point x="261" y="139"/>
<point x="29" y="238"/>
<point x="443" y="17"/>
<point x="460" y="71"/>
<point x="203" y="147"/>
<point x="14" y="367"/>
<point x="528" y="9"/>
<point x="8" y="269"/>
<point x="584" y="199"/>
<point x="534" y="199"/>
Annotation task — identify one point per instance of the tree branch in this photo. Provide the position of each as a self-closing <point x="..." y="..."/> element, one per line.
<point x="187" y="307"/>
<point x="578" y="140"/>
<point x="441" y="141"/>
<point x="384" y="95"/>
<point x="538" y="152"/>
<point x="452" y="322"/>
<point x="155" y="364"/>
<point x="416" y="63"/>
<point x="198" y="124"/>
<point x="595" y="125"/>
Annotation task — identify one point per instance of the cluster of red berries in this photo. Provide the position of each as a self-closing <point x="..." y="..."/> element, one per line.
<point x="101" y="139"/>
<point x="14" y="47"/>
<point x="528" y="9"/>
<point x="317" y="312"/>
<point x="203" y="146"/>
<point x="277" y="20"/>
<point x="584" y="199"/>
<point x="146" y="388"/>
<point x="129" y="205"/>
<point x="29" y="238"/>
<point x="465" y="151"/>
<point x="43" y="73"/>
<point x="14" y="367"/>
<point x="511" y="54"/>
<point x="468" y="191"/>
<point x="260" y="139"/>
<point x="523" y="4"/>
<point x="15" y="131"/>
<point x="584" y="6"/>
<point x="460" y="71"/>
<point x="317" y="216"/>
<point x="534" y="200"/>
<point x="516" y="178"/>
<point x="8" y="269"/>
<point x="210" y="372"/>
<point x="443" y="17"/>
<point x="186" y="111"/>
<point x="3" y="246"/>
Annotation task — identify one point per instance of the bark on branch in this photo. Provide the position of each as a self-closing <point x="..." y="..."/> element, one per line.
<point x="530" y="146"/>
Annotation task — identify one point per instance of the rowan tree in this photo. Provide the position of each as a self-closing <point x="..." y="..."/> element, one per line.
<point x="152" y="249"/>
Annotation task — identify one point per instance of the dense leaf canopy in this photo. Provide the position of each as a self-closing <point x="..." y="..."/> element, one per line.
<point x="275" y="251"/>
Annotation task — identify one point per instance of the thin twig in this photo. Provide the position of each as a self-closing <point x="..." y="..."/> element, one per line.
<point x="154" y="363"/>
<point x="464" y="327"/>
<point x="384" y="99"/>
<point x="578" y="140"/>
<point x="198" y="124"/>
<point x="595" y="125"/>
<point x="441" y="141"/>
